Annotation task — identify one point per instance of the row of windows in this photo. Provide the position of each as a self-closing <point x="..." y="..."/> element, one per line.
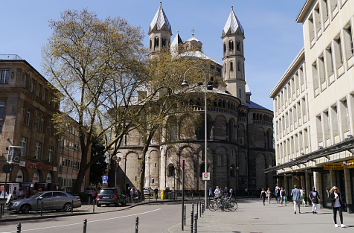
<point x="70" y="163"/>
<point x="231" y="46"/>
<point x="2" y="114"/>
<point x="39" y="121"/>
<point x="329" y="66"/>
<point x="4" y="76"/>
<point x="293" y="146"/>
<point x="334" y="123"/>
<point x="324" y="12"/>
<point x="155" y="43"/>
<point x="291" y="90"/>
<point x="38" y="153"/>
<point x="36" y="88"/>
<point x="293" y="117"/>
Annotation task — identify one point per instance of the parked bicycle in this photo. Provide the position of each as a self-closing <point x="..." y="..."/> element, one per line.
<point x="223" y="203"/>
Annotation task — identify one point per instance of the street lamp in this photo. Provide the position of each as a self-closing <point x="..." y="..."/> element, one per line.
<point x="116" y="160"/>
<point x="185" y="84"/>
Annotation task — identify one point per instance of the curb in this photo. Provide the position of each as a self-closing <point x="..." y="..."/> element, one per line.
<point x="87" y="213"/>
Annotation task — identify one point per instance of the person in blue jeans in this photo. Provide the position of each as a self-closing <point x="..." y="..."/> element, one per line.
<point x="296" y="195"/>
<point x="282" y="196"/>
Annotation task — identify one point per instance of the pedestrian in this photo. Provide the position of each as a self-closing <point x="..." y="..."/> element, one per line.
<point x="225" y="192"/>
<point x="337" y="203"/>
<point x="263" y="196"/>
<point x="93" y="195"/>
<point x="302" y="199"/>
<point x="217" y="192"/>
<point x="277" y="194"/>
<point x="296" y="195"/>
<point x="156" y="192"/>
<point x="282" y="196"/>
<point x="269" y="193"/>
<point x="231" y="191"/>
<point x="210" y="191"/>
<point x="315" y="199"/>
<point x="131" y="192"/>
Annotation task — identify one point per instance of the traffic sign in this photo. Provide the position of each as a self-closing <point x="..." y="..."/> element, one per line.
<point x="6" y="168"/>
<point x="104" y="179"/>
<point x="206" y="176"/>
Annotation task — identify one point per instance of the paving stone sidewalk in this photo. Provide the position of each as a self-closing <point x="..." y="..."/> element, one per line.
<point x="253" y="217"/>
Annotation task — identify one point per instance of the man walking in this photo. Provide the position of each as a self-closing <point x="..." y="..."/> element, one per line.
<point x="296" y="195"/>
<point x="315" y="199"/>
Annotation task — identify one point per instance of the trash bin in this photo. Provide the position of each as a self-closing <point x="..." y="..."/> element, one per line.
<point x="162" y="194"/>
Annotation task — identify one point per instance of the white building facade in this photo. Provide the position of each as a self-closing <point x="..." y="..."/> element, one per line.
<point x="314" y="104"/>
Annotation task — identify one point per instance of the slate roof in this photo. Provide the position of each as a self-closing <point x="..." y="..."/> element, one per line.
<point x="160" y="21"/>
<point x="232" y="23"/>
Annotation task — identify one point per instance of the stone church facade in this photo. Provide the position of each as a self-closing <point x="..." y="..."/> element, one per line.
<point x="240" y="132"/>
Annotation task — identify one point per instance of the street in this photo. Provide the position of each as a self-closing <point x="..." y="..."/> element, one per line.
<point x="152" y="218"/>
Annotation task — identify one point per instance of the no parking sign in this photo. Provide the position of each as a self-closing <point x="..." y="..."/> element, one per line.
<point x="206" y="176"/>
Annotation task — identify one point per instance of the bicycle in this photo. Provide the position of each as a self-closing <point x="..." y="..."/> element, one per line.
<point x="223" y="203"/>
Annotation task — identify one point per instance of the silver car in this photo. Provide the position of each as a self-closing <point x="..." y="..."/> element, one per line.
<point x="48" y="200"/>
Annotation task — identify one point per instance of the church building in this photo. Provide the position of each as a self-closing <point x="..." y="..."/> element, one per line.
<point x="240" y="132"/>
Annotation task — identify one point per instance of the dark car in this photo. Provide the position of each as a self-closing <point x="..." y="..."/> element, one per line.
<point x="48" y="200"/>
<point x="108" y="196"/>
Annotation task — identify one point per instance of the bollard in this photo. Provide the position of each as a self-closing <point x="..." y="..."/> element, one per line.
<point x="137" y="225"/>
<point x="41" y="207"/>
<point x="85" y="225"/>
<point x="197" y="209"/>
<point x="195" y="223"/>
<point x="200" y="209"/>
<point x="19" y="228"/>
<point x="192" y="216"/>
<point x="93" y="206"/>
<point x="185" y="215"/>
<point x="72" y="206"/>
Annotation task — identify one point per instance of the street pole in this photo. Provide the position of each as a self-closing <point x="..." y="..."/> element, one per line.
<point x="115" y="174"/>
<point x="185" y="83"/>
<point x="182" y="194"/>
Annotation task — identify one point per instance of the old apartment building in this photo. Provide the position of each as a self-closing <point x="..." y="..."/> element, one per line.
<point x="314" y="104"/>
<point x="26" y="109"/>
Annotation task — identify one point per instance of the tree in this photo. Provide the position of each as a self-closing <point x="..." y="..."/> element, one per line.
<point x="98" y="168"/>
<point x="97" y="65"/>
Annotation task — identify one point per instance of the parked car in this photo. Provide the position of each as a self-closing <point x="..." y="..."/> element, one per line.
<point x="48" y="200"/>
<point x="107" y="196"/>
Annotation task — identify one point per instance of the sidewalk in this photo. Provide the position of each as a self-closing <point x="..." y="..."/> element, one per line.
<point x="253" y="217"/>
<point x="83" y="210"/>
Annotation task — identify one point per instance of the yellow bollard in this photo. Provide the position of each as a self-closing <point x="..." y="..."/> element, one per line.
<point x="162" y="194"/>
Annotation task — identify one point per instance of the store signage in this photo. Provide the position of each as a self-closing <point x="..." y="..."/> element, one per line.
<point x="339" y="166"/>
<point x="39" y="166"/>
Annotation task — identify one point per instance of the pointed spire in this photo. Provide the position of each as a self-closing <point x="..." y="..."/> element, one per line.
<point x="160" y="21"/>
<point x="175" y="43"/>
<point x="232" y="23"/>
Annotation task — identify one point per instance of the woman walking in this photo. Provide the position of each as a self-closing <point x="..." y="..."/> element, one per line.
<point x="337" y="204"/>
<point x="269" y="193"/>
<point x="263" y="196"/>
<point x="282" y="196"/>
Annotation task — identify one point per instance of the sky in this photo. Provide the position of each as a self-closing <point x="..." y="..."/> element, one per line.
<point x="273" y="38"/>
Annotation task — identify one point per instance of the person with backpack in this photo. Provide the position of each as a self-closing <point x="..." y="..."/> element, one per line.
<point x="315" y="199"/>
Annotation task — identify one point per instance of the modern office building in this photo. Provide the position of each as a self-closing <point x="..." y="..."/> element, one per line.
<point x="314" y="104"/>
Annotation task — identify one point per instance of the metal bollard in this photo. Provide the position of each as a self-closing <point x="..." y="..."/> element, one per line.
<point x="197" y="209"/>
<point x="200" y="209"/>
<point x="192" y="216"/>
<point x="72" y="206"/>
<point x="185" y="215"/>
<point x="41" y="207"/>
<point x="19" y="228"/>
<point x="137" y="225"/>
<point x="85" y="225"/>
<point x="195" y="223"/>
<point x="93" y="206"/>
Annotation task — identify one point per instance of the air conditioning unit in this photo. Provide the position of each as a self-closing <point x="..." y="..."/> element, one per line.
<point x="14" y="154"/>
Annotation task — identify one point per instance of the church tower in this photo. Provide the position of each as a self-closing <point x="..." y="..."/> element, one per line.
<point x="233" y="57"/>
<point x="159" y="32"/>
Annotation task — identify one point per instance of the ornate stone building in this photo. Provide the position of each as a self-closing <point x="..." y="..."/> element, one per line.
<point x="240" y="136"/>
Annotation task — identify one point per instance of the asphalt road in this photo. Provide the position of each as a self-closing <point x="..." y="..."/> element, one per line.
<point x="152" y="218"/>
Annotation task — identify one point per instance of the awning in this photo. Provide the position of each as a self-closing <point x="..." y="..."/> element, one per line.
<point x="346" y="145"/>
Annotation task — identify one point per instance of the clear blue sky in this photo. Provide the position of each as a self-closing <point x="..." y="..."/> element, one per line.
<point x="273" y="38"/>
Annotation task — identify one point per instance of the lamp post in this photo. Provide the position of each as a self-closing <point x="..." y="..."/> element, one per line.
<point x="116" y="160"/>
<point x="185" y="84"/>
